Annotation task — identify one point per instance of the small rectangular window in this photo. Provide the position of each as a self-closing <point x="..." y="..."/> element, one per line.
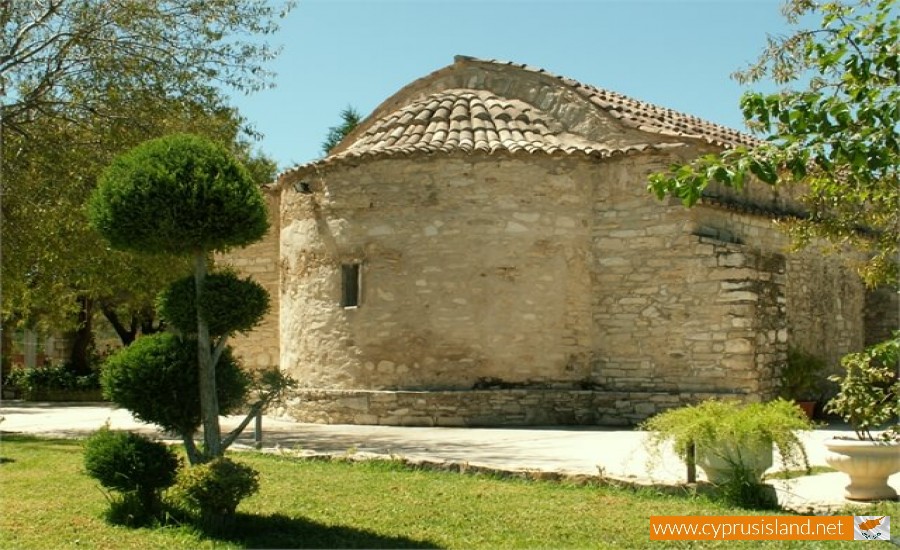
<point x="350" y="285"/>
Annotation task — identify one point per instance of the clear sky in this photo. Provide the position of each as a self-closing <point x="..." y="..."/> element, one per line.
<point x="674" y="53"/>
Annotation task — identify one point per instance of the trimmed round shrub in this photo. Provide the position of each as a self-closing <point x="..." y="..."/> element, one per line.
<point x="213" y="490"/>
<point x="127" y="461"/>
<point x="179" y="194"/>
<point x="134" y="465"/>
<point x="228" y="303"/>
<point x="157" y="379"/>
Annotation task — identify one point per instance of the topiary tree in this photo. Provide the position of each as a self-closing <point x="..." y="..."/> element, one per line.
<point x="156" y="378"/>
<point x="247" y="302"/>
<point x="133" y="465"/>
<point x="185" y="195"/>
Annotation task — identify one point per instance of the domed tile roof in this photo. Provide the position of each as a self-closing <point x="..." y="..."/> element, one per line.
<point x="468" y="120"/>
<point x="495" y="107"/>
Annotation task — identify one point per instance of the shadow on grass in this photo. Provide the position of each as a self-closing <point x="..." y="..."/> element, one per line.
<point x="279" y="531"/>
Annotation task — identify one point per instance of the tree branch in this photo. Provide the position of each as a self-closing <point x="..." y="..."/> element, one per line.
<point x="125" y="335"/>
<point x="220" y="347"/>
<point x="23" y="32"/>
<point x="272" y="386"/>
<point x="255" y="409"/>
<point x="190" y="448"/>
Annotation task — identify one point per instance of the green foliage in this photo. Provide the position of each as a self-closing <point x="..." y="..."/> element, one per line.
<point x="180" y="194"/>
<point x="228" y="303"/>
<point x="350" y="119"/>
<point x="869" y="394"/>
<point x="744" y="489"/>
<point x="134" y="465"/>
<point x="272" y="384"/>
<point x="801" y="376"/>
<point x="58" y="58"/>
<point x="74" y="99"/>
<point x="213" y="490"/>
<point x="129" y="510"/>
<point x="836" y="140"/>
<point x="156" y="378"/>
<point x="127" y="461"/>
<point x="185" y="195"/>
<point x="712" y="423"/>
<point x="59" y="257"/>
<point x="51" y="377"/>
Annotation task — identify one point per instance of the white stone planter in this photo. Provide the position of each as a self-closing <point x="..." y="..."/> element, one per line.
<point x="868" y="463"/>
<point x="719" y="461"/>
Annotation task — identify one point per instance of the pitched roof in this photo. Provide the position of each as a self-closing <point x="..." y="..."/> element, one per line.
<point x="660" y="120"/>
<point x="478" y="106"/>
<point x="469" y="120"/>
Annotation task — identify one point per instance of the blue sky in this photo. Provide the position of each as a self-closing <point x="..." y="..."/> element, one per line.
<point x="675" y="53"/>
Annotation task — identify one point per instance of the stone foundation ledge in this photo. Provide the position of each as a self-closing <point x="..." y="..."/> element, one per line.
<point x="463" y="408"/>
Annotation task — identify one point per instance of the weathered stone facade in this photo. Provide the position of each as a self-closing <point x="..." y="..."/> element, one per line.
<point x="881" y="315"/>
<point x="260" y="348"/>
<point x="483" y="250"/>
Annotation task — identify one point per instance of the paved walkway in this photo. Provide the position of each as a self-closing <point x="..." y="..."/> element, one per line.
<point x="615" y="453"/>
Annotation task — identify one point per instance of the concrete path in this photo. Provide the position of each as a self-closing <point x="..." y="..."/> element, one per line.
<point x="615" y="453"/>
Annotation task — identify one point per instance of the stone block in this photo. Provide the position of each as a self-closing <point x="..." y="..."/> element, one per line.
<point x="354" y="403"/>
<point x="738" y="345"/>
<point x="738" y="296"/>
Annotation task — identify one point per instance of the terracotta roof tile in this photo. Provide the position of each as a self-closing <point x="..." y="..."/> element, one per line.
<point x="642" y="115"/>
<point x="479" y="120"/>
<point x="465" y="119"/>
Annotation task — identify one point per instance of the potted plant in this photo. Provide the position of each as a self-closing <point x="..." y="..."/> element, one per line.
<point x="801" y="380"/>
<point x="869" y="400"/>
<point x="732" y="438"/>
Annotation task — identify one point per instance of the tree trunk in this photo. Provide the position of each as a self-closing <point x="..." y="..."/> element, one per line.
<point x="126" y="335"/>
<point x="82" y="338"/>
<point x="146" y="318"/>
<point x="209" y="402"/>
<point x="5" y="350"/>
<point x="190" y="448"/>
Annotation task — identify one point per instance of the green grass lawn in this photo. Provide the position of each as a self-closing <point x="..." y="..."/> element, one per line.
<point x="48" y="502"/>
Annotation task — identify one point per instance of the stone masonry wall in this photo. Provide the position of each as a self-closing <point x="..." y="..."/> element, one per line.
<point x="824" y="298"/>
<point x="882" y="314"/>
<point x="546" y="285"/>
<point x="472" y="270"/>
<point x="260" y="348"/>
<point x="677" y="309"/>
<point x="515" y="407"/>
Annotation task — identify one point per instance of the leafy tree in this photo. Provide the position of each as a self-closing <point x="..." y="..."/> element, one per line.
<point x="184" y="195"/>
<point x="62" y="270"/>
<point x="65" y="59"/>
<point x="834" y="137"/>
<point x="81" y="82"/>
<point x="350" y="119"/>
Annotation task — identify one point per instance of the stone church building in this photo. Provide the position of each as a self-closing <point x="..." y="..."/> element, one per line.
<point x="483" y="250"/>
